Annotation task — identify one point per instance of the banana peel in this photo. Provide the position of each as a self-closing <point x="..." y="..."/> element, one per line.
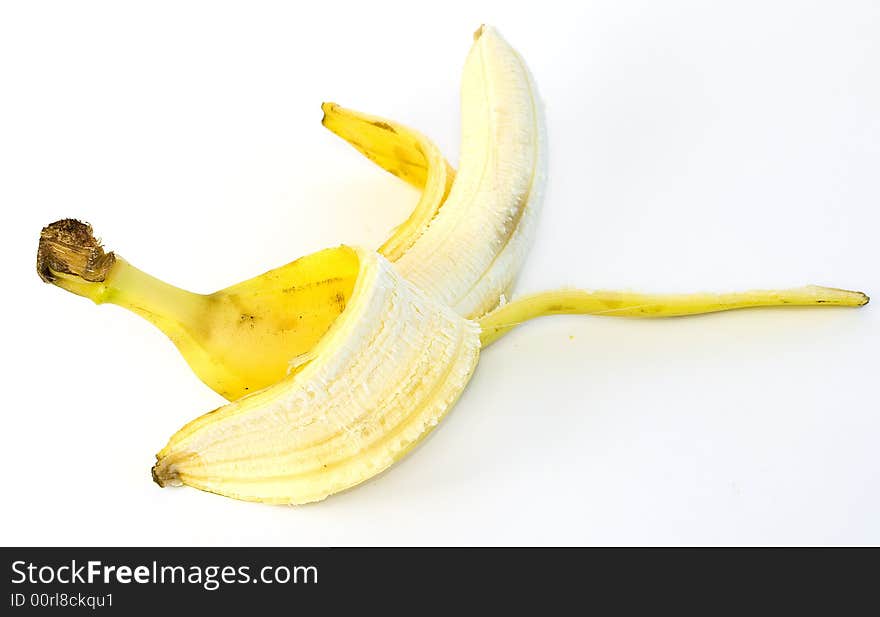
<point x="407" y="154"/>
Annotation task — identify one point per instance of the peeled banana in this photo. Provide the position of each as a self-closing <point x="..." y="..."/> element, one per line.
<point x="387" y="370"/>
<point x="340" y="362"/>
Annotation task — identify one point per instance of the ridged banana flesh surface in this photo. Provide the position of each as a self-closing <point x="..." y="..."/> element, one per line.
<point x="471" y="253"/>
<point x="388" y="369"/>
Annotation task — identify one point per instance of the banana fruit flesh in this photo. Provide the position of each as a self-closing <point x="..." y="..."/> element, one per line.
<point x="467" y="253"/>
<point x="470" y="254"/>
<point x="388" y="369"/>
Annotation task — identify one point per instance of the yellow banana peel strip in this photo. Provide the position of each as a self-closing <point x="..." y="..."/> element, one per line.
<point x="630" y="304"/>
<point x="407" y="154"/>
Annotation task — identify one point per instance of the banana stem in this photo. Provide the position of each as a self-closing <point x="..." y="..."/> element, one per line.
<point x="70" y="257"/>
<point x="151" y="298"/>
<point x="625" y="304"/>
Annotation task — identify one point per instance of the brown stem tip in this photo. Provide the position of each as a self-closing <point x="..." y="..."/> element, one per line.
<point x="68" y="246"/>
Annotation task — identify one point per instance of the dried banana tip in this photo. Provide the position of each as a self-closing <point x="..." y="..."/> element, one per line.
<point x="68" y="246"/>
<point x="835" y="295"/>
<point x="164" y="475"/>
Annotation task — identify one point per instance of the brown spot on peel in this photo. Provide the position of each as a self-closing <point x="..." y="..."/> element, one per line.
<point x="383" y="125"/>
<point x="297" y="288"/>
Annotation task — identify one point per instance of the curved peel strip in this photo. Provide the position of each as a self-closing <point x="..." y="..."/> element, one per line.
<point x="407" y="154"/>
<point x="386" y="372"/>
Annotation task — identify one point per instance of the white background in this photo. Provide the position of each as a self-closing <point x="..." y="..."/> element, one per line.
<point x="693" y="146"/>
